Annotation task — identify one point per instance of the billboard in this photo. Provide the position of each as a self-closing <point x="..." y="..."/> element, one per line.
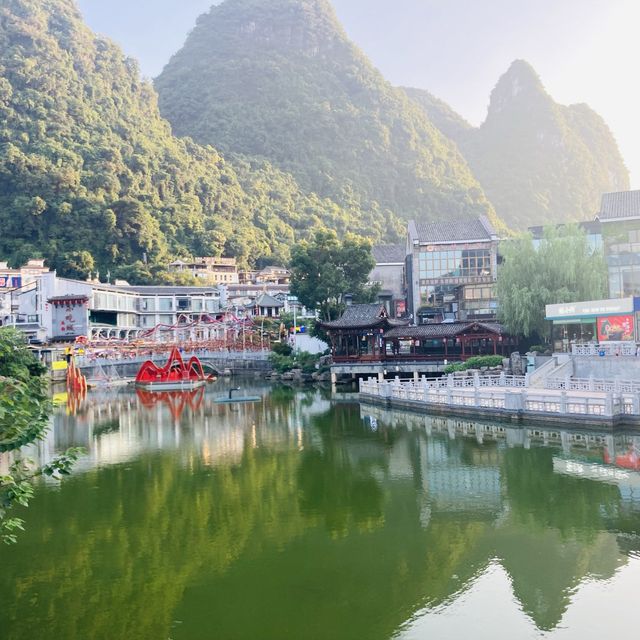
<point x="70" y="318"/>
<point x="592" y="308"/>
<point x="10" y="282"/>
<point x="615" y="328"/>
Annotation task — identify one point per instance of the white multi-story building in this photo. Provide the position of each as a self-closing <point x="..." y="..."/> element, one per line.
<point x="52" y="308"/>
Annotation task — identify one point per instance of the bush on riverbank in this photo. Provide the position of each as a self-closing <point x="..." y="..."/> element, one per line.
<point x="302" y="360"/>
<point x="24" y="416"/>
<point x="477" y="362"/>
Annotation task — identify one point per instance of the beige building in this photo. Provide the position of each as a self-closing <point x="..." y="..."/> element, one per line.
<point x="212" y="270"/>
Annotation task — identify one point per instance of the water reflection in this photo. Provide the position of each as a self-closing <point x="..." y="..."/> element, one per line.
<point x="298" y="517"/>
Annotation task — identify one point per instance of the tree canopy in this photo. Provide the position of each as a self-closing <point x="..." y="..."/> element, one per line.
<point x="325" y="269"/>
<point x="563" y="268"/>
<point x="91" y="176"/>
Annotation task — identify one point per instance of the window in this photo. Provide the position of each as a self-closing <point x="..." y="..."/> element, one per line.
<point x="454" y="263"/>
<point x="166" y="304"/>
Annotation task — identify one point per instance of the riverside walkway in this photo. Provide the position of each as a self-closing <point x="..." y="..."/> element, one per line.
<point x="511" y="397"/>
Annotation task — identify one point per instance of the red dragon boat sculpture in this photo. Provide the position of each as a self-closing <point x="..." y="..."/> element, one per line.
<point x="174" y="376"/>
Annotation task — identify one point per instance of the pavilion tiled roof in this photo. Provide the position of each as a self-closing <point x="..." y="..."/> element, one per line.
<point x="474" y="229"/>
<point x="265" y="300"/>
<point x="389" y="253"/>
<point x="443" y="330"/>
<point x="621" y="204"/>
<point x="360" y="316"/>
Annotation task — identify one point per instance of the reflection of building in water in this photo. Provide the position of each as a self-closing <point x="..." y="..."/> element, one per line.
<point x="117" y="426"/>
<point x="454" y="485"/>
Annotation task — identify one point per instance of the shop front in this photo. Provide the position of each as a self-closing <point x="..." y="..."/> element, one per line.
<point x="593" y="322"/>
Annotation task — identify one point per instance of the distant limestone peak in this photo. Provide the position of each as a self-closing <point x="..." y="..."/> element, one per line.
<point x="280" y="80"/>
<point x="307" y="26"/>
<point x="520" y="85"/>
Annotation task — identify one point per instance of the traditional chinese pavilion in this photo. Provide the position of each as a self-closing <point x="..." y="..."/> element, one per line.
<point x="358" y="334"/>
<point x="457" y="341"/>
<point x="365" y="333"/>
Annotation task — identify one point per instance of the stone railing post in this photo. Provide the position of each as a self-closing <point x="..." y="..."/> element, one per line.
<point x="527" y="380"/>
<point x="609" y="404"/>
<point x="503" y="379"/>
<point x="563" y="402"/>
<point x="450" y="381"/>
<point x="476" y="379"/>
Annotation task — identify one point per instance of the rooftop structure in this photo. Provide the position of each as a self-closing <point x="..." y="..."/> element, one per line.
<point x="620" y="205"/>
<point x="452" y="231"/>
<point x="213" y="270"/>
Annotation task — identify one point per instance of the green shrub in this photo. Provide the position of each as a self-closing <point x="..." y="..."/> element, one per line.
<point x="283" y="363"/>
<point x="281" y="348"/>
<point x="477" y="362"/>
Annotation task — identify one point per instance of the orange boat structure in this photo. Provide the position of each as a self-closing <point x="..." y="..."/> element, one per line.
<point x="174" y="376"/>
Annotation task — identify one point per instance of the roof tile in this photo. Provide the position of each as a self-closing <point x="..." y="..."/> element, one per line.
<point x="621" y="204"/>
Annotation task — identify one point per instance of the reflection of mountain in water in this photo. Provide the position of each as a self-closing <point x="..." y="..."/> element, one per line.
<point x="301" y="515"/>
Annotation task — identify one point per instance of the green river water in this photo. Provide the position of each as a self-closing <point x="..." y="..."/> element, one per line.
<point x="306" y="518"/>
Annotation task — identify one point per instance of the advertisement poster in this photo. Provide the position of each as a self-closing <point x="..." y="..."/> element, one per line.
<point x="615" y="328"/>
<point x="70" y="319"/>
<point x="10" y="282"/>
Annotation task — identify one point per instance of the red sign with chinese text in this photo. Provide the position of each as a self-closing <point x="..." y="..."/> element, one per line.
<point x="615" y="328"/>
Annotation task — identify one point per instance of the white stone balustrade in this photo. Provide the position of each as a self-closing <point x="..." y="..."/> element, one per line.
<point x="563" y="398"/>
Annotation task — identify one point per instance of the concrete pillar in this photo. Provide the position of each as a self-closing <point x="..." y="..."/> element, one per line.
<point x="416" y="377"/>
<point x="380" y="376"/>
<point x="609" y="404"/>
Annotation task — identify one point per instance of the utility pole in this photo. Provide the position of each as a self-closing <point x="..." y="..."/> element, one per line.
<point x="295" y="325"/>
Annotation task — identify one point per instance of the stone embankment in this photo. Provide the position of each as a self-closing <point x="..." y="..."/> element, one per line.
<point x="586" y="402"/>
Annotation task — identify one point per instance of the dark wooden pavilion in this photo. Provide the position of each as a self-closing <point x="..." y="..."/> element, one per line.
<point x="359" y="334"/>
<point x="365" y="333"/>
<point x="448" y="341"/>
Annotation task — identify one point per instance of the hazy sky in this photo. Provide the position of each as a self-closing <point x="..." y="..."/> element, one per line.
<point x="584" y="50"/>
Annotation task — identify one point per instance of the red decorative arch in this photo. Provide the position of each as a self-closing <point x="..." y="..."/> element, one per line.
<point x="175" y="370"/>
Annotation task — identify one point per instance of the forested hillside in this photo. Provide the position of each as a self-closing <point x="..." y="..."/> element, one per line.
<point x="279" y="79"/>
<point x="538" y="161"/>
<point x="92" y="177"/>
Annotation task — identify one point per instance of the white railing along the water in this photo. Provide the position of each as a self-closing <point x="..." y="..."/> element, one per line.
<point x="510" y="393"/>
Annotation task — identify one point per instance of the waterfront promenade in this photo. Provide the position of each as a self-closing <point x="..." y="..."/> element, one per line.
<point x="512" y="397"/>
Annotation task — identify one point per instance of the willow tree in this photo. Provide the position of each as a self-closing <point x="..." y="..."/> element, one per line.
<point x="563" y="267"/>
